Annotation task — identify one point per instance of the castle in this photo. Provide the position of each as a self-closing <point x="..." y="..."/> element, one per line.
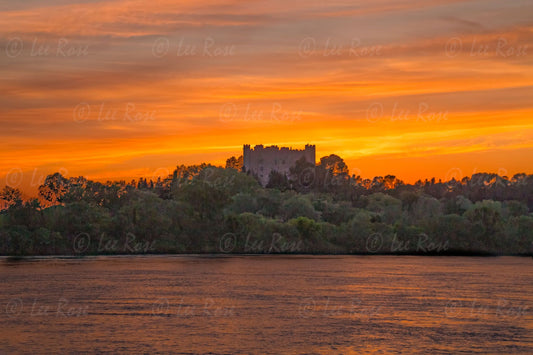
<point x="260" y="161"/>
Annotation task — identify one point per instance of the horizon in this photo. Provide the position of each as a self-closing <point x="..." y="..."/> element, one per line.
<point x="137" y="216"/>
<point x="29" y="182"/>
<point x="411" y="90"/>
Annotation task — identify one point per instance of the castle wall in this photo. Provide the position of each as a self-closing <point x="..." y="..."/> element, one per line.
<point x="261" y="160"/>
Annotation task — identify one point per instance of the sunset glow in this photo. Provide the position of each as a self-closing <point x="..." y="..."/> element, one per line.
<point x="124" y="89"/>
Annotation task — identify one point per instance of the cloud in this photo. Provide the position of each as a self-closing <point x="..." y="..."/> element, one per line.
<point x="178" y="64"/>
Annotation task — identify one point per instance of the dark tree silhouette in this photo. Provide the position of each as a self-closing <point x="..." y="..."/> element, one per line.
<point x="321" y="208"/>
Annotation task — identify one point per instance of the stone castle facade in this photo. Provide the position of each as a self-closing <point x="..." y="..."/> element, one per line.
<point x="260" y="161"/>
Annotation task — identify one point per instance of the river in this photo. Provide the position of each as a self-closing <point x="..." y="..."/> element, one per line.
<point x="267" y="304"/>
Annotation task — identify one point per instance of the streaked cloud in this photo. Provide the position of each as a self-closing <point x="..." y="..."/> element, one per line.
<point x="125" y="88"/>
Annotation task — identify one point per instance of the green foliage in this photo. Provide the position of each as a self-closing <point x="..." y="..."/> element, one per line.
<point x="277" y="180"/>
<point x="456" y="230"/>
<point x="317" y="209"/>
<point x="54" y="188"/>
<point x="302" y="175"/>
<point x="519" y="235"/>
<point x="81" y="217"/>
<point x="298" y="206"/>
<point x="229" y="181"/>
<point x="387" y="207"/>
<point x="307" y="228"/>
<point x="145" y="216"/>
<point x="514" y="208"/>
<point x="234" y="163"/>
<point x="17" y="240"/>
<point x="243" y="202"/>
<point x="424" y="210"/>
<point x="206" y="199"/>
<point x="270" y="201"/>
<point x="334" y="212"/>
<point x="12" y="196"/>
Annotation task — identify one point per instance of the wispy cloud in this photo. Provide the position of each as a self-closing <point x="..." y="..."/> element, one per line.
<point x="98" y="86"/>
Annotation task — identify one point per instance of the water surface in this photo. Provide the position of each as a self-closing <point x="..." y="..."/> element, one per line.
<point x="267" y="304"/>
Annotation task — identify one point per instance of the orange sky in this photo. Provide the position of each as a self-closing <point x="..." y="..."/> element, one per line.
<point x="123" y="89"/>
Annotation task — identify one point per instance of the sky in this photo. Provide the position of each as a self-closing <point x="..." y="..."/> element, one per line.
<point x="122" y="89"/>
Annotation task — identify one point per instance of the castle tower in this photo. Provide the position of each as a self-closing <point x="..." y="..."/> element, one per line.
<point x="261" y="161"/>
<point x="245" y="156"/>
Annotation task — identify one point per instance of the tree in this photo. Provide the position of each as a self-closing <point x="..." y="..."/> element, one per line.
<point x="277" y="180"/>
<point x="298" y="206"/>
<point x="486" y="219"/>
<point x="424" y="210"/>
<point x="206" y="199"/>
<point x="243" y="202"/>
<point x="307" y="228"/>
<point x="388" y="207"/>
<point x="331" y="173"/>
<point x="409" y="198"/>
<point x="54" y="188"/>
<point x="334" y="164"/>
<point x="514" y="208"/>
<point x="12" y="196"/>
<point x="302" y="176"/>
<point x="145" y="216"/>
<point x="234" y="163"/>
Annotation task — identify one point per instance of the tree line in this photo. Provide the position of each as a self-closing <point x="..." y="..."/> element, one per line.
<point x="315" y="209"/>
